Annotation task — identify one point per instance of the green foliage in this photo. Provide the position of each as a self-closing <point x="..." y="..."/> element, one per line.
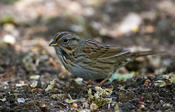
<point x="8" y="1"/>
<point x="122" y="77"/>
<point x="6" y="19"/>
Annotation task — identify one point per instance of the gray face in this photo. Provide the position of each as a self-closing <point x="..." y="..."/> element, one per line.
<point x="69" y="42"/>
<point x="66" y="41"/>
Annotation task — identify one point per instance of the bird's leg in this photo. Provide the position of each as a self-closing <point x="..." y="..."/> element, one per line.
<point x="104" y="80"/>
<point x="109" y="76"/>
<point x="90" y="82"/>
<point x="87" y="81"/>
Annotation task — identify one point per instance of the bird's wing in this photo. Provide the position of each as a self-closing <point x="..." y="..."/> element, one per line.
<point x="96" y="50"/>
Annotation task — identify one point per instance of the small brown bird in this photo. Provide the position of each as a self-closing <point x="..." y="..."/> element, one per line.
<point x="90" y="59"/>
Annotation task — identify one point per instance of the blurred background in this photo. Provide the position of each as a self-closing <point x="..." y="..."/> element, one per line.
<point x="27" y="26"/>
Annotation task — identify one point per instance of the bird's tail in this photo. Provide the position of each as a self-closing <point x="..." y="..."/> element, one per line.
<point x="143" y="53"/>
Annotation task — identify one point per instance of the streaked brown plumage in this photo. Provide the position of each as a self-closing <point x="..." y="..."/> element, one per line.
<point x="90" y="59"/>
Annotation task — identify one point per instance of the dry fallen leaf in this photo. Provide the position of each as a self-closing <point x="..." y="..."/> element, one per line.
<point x="100" y="97"/>
<point x="51" y="85"/>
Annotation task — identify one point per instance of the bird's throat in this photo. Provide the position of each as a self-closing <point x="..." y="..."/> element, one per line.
<point x="64" y="53"/>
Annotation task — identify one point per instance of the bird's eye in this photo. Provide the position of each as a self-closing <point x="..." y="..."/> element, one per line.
<point x="65" y="40"/>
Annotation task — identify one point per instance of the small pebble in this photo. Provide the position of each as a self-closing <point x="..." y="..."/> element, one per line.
<point x="9" y="39"/>
<point x="21" y="100"/>
<point x="74" y="105"/>
<point x="93" y="106"/>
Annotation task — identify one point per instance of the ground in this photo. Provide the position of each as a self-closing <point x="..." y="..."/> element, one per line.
<point x="32" y="79"/>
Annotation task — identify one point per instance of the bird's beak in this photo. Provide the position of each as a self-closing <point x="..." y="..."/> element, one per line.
<point x="53" y="43"/>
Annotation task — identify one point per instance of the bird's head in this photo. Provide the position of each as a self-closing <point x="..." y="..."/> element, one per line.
<point x="65" y="41"/>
